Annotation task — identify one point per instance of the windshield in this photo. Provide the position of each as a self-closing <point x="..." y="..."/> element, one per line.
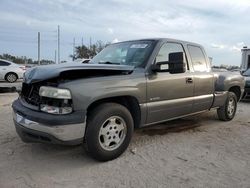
<point x="247" y="73"/>
<point x="134" y="53"/>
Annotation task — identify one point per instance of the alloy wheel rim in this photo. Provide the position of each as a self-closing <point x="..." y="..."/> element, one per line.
<point x="112" y="133"/>
<point x="231" y="107"/>
<point x="11" y="77"/>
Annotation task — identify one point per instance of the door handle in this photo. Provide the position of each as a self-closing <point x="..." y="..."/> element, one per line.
<point x="189" y="80"/>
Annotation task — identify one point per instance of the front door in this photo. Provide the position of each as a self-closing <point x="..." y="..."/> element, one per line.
<point x="169" y="95"/>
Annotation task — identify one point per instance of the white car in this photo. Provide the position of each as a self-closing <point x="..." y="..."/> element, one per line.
<point x="10" y="71"/>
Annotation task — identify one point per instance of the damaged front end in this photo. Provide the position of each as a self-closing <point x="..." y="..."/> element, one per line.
<point x="46" y="97"/>
<point x="40" y="89"/>
<point x="44" y="111"/>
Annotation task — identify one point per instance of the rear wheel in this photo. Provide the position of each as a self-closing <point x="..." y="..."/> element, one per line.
<point x="109" y="131"/>
<point x="11" y="77"/>
<point x="228" y="110"/>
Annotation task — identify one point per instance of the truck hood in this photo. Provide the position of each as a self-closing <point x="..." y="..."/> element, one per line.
<point x="74" y="71"/>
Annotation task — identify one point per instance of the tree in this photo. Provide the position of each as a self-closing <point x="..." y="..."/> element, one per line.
<point x="81" y="52"/>
<point x="85" y="52"/>
<point x="23" y="60"/>
<point x="100" y="45"/>
<point x="15" y="59"/>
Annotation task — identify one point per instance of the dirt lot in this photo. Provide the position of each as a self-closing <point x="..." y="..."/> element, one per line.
<point x="199" y="151"/>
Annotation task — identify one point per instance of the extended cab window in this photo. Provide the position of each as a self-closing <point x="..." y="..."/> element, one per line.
<point x="3" y="63"/>
<point x="168" y="48"/>
<point x="198" y="58"/>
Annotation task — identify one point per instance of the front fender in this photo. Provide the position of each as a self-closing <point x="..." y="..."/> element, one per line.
<point x="86" y="91"/>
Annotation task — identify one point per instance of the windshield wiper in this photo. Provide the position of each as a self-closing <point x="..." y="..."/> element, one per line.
<point x="109" y="63"/>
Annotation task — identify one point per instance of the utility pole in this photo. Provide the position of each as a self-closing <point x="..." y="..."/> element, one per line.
<point x="38" y="47"/>
<point x="55" y="56"/>
<point x="90" y="43"/>
<point x="82" y="41"/>
<point x="58" y="43"/>
<point x="74" y="42"/>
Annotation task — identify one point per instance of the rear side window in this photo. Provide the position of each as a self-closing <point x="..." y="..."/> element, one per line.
<point x="198" y="58"/>
<point x="3" y="63"/>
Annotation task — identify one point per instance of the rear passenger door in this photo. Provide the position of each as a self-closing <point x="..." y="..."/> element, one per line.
<point x="203" y="79"/>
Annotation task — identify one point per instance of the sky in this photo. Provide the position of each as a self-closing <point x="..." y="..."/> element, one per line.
<point x="221" y="26"/>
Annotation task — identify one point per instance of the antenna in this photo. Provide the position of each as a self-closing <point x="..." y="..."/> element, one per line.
<point x="38" y="48"/>
<point x="58" y="43"/>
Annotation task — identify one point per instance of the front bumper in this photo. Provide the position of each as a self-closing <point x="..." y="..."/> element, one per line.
<point x="31" y="126"/>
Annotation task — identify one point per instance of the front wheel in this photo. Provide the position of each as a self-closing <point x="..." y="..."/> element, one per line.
<point x="109" y="130"/>
<point x="228" y="110"/>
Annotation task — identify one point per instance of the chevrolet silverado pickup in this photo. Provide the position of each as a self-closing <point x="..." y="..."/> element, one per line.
<point x="128" y="85"/>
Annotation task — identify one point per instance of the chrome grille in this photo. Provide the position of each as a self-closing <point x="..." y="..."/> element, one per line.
<point x="30" y="93"/>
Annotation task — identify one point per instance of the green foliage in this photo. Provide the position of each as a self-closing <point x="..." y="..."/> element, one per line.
<point x="44" y="62"/>
<point x="24" y="60"/>
<point x="85" y="52"/>
<point x="80" y="52"/>
<point x="16" y="59"/>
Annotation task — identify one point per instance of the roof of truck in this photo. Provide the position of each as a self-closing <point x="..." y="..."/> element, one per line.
<point x="164" y="39"/>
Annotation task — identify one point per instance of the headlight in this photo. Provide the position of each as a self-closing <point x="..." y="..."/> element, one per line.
<point x="55" y="110"/>
<point x="55" y="100"/>
<point x="52" y="92"/>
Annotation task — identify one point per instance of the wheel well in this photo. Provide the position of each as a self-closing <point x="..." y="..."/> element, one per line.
<point x="131" y="103"/>
<point x="10" y="73"/>
<point x="236" y="90"/>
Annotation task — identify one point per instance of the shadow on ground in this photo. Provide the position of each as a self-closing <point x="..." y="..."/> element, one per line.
<point x="7" y="89"/>
<point x="178" y="125"/>
<point x="191" y="123"/>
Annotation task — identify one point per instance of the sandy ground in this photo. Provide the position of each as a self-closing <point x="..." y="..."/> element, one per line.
<point x="198" y="151"/>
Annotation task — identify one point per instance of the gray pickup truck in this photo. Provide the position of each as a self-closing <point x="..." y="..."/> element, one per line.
<point x="128" y="85"/>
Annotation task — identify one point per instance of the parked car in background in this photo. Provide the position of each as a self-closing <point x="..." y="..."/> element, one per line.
<point x="82" y="60"/>
<point x="246" y="94"/>
<point x="10" y="71"/>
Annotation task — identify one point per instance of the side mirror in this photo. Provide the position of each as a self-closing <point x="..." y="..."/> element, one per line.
<point x="174" y="65"/>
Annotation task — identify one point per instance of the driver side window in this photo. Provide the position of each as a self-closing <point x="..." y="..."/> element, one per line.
<point x="168" y="48"/>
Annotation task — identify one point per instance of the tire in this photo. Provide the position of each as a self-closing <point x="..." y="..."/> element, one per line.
<point x="228" y="110"/>
<point x="109" y="131"/>
<point x="11" y="77"/>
